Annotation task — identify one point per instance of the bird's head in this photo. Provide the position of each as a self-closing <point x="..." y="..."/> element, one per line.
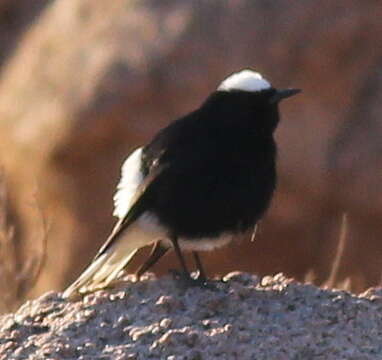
<point x="249" y="91"/>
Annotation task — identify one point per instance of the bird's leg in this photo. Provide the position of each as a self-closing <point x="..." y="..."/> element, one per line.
<point x="157" y="251"/>
<point x="180" y="257"/>
<point x="186" y="279"/>
<point x="202" y="274"/>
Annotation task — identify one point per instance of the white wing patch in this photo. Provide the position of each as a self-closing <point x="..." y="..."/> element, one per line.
<point x="246" y="80"/>
<point x="131" y="177"/>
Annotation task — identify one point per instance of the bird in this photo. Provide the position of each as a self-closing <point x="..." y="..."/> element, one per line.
<point x="206" y="178"/>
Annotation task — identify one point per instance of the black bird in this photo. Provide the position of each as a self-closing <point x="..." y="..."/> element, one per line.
<point x="200" y="182"/>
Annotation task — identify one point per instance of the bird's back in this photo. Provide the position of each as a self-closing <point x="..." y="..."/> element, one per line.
<point x="217" y="176"/>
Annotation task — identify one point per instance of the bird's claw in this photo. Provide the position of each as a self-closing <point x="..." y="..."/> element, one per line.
<point x="187" y="280"/>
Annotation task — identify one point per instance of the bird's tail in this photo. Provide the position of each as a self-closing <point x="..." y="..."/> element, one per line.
<point x="103" y="270"/>
<point x="127" y="237"/>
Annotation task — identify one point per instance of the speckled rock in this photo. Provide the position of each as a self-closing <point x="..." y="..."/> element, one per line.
<point x="242" y="318"/>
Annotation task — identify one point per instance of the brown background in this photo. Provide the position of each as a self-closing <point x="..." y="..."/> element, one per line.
<point x="83" y="82"/>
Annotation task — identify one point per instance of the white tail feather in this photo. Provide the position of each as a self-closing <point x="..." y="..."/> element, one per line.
<point x="105" y="268"/>
<point x="102" y="271"/>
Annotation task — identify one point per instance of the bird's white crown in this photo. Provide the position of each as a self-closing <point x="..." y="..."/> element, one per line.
<point x="245" y="80"/>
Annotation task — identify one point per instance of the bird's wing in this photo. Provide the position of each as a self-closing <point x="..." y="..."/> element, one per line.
<point x="131" y="179"/>
<point x="125" y="240"/>
<point x="129" y="195"/>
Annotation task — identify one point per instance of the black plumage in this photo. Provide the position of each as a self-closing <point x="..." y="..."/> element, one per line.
<point x="202" y="180"/>
<point x="219" y="166"/>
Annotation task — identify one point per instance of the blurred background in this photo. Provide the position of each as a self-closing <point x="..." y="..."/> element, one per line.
<point x="84" y="82"/>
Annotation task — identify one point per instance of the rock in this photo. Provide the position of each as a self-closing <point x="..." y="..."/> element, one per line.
<point x="15" y="17"/>
<point x="280" y="319"/>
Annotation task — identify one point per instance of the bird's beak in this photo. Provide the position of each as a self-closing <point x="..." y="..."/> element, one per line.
<point x="283" y="94"/>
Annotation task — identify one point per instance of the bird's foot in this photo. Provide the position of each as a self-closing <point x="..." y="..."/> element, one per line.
<point x="187" y="280"/>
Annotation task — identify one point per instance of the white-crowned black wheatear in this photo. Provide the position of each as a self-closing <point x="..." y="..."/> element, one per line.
<point x="201" y="181"/>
